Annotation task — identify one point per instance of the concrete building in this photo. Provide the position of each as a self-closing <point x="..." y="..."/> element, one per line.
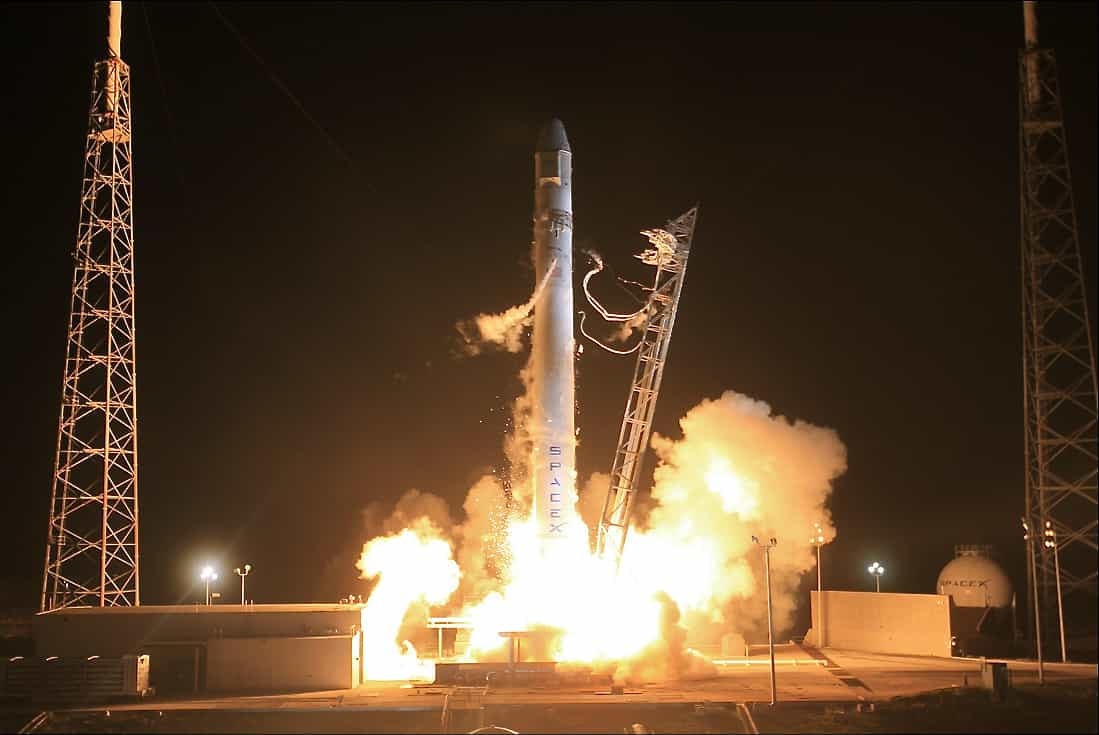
<point x="196" y="648"/>
<point x="883" y="622"/>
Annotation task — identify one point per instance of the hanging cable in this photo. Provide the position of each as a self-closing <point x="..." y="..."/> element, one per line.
<point x="622" y="281"/>
<point x="597" y="343"/>
<point x="163" y="93"/>
<point x="286" y="91"/>
<point x="608" y="315"/>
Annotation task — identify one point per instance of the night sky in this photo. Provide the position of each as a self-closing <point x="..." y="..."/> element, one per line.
<point x="298" y="282"/>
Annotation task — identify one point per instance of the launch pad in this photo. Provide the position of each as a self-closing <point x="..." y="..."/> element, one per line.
<point x="719" y="704"/>
<point x="499" y="675"/>
<point x="514" y="672"/>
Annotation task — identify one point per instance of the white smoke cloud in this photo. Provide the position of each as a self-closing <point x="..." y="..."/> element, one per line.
<point x="690" y="569"/>
<point x="738" y="471"/>
<point x="412" y="569"/>
<point x="502" y="330"/>
<point x="627" y="328"/>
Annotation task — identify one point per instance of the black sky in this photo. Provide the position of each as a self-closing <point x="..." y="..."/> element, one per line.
<point x="855" y="264"/>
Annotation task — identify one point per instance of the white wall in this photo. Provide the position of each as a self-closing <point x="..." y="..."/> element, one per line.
<point x="281" y="664"/>
<point x="883" y="622"/>
<point x="118" y="631"/>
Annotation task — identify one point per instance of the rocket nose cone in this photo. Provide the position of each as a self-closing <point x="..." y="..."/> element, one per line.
<point x="552" y="137"/>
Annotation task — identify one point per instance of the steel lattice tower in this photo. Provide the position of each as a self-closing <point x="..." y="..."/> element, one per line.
<point x="1059" y="381"/>
<point x="652" y="355"/>
<point x="92" y="547"/>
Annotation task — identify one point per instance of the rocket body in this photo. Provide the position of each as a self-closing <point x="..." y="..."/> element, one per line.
<point x="553" y="349"/>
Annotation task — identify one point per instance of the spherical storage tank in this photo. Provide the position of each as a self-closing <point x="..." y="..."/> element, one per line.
<point x="973" y="579"/>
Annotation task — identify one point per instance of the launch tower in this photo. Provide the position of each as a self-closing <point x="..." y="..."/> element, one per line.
<point x="1059" y="382"/>
<point x="672" y="246"/>
<point x="92" y="547"/>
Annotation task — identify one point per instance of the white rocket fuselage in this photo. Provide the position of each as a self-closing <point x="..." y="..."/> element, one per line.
<point x="552" y="426"/>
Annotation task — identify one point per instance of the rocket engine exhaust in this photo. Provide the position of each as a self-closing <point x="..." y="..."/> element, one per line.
<point x="552" y="426"/>
<point x="523" y="566"/>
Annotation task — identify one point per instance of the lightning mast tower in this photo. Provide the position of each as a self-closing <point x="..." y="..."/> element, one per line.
<point x="1059" y="381"/>
<point x="92" y="546"/>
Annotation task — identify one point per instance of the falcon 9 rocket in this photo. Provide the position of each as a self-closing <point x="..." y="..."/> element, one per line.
<point x="552" y="426"/>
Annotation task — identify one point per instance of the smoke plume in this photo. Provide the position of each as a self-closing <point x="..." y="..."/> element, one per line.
<point x="413" y="569"/>
<point x="690" y="569"/>
<point x="505" y="329"/>
<point x="738" y="471"/>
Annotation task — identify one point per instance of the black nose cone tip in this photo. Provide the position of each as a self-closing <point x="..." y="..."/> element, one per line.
<point x="553" y="138"/>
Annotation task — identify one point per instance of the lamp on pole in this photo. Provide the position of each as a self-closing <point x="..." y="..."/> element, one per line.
<point x="818" y="541"/>
<point x="770" y="622"/>
<point x="1034" y="595"/>
<point x="208" y="575"/>
<point x="1051" y="543"/>
<point x="876" y="570"/>
<point x="242" y="572"/>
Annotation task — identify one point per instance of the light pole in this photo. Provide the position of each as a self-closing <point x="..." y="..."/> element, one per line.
<point x="1051" y="543"/>
<point x="208" y="575"/>
<point x="1034" y="595"/>
<point x="242" y="572"/>
<point x="877" y="570"/>
<point x="818" y="541"/>
<point x="770" y="622"/>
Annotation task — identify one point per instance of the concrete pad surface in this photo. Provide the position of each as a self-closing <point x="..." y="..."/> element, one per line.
<point x="802" y="675"/>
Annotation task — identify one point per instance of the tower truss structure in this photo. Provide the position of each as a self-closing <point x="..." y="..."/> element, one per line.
<point x="1059" y="379"/>
<point x="672" y="248"/>
<point x="92" y="546"/>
